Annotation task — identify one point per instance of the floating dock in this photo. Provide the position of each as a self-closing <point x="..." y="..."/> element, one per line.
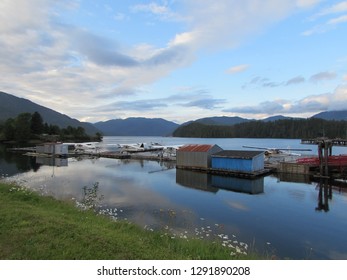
<point x="228" y="172"/>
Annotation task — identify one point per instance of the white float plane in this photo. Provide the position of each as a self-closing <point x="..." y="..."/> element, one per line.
<point x="279" y="151"/>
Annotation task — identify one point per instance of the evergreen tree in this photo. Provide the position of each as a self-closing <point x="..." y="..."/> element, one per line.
<point x="37" y="126"/>
<point x="22" y="127"/>
<point x="9" y="129"/>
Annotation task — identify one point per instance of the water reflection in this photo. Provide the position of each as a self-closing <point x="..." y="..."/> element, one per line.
<point x="213" y="183"/>
<point x="12" y="163"/>
<point x="183" y="203"/>
<point x="52" y="161"/>
<point x="254" y="186"/>
<point x="195" y="180"/>
<point x="325" y="194"/>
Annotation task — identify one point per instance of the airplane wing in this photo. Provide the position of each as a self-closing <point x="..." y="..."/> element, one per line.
<point x="259" y="148"/>
<point x="278" y="149"/>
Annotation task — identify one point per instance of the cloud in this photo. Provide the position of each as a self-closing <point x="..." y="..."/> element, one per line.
<point x="137" y="105"/>
<point x="263" y="108"/>
<point x="345" y="77"/>
<point x="295" y="80"/>
<point x="331" y="23"/>
<point x="307" y="3"/>
<point x="338" y="20"/>
<point x="63" y="66"/>
<point x="323" y="76"/>
<point x="205" y="103"/>
<point x="267" y="83"/>
<point x="237" y="69"/>
<point x="99" y="50"/>
<point x="336" y="100"/>
<point x="162" y="11"/>
<point x="262" y="82"/>
<point x="334" y="9"/>
<point x="151" y="8"/>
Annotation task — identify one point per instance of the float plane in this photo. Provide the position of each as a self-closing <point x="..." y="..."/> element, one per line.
<point x="279" y="151"/>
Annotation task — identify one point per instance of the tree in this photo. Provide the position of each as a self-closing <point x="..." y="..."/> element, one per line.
<point x="9" y="129"/>
<point x="37" y="125"/>
<point x="22" y="127"/>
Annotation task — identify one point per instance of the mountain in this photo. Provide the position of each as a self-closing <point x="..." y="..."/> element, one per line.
<point x="219" y="121"/>
<point x="332" y="115"/>
<point x="11" y="106"/>
<point x="276" y="118"/>
<point x="136" y="127"/>
<point x="222" y="120"/>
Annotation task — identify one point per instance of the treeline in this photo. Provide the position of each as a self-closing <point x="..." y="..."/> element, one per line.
<point x="288" y="128"/>
<point x="27" y="126"/>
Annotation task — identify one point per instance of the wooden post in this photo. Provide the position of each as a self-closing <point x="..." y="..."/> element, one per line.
<point x="320" y="157"/>
<point x="326" y="166"/>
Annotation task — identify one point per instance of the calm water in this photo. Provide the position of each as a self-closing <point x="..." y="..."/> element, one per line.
<point x="287" y="219"/>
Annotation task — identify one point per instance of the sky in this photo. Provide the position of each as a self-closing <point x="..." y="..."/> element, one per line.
<point x="176" y="59"/>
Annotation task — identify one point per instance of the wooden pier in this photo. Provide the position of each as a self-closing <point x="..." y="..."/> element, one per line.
<point x="325" y="146"/>
<point x="333" y="142"/>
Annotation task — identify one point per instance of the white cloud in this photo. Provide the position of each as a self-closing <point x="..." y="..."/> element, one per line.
<point x="334" y="9"/>
<point x="307" y="3"/>
<point x="331" y="23"/>
<point x="69" y="69"/>
<point x="338" y="20"/>
<point x="152" y="8"/>
<point x="336" y="100"/>
<point x="237" y="69"/>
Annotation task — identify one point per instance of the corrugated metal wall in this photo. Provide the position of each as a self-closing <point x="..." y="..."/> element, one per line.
<point x="196" y="159"/>
<point x="239" y="164"/>
<point x="191" y="159"/>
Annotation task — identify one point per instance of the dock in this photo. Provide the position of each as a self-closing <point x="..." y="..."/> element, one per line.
<point x="333" y="142"/>
<point x="228" y="172"/>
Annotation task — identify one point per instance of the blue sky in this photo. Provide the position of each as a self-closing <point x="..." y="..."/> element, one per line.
<point x="176" y="59"/>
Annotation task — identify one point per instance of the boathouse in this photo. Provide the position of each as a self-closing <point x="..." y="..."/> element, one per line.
<point x="238" y="161"/>
<point x="196" y="156"/>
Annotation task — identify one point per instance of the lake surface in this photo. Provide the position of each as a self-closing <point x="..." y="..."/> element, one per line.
<point x="269" y="215"/>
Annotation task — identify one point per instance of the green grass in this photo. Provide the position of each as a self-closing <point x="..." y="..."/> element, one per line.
<point x="37" y="227"/>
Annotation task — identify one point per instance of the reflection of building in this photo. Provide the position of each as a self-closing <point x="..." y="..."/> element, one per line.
<point x="254" y="186"/>
<point x="195" y="180"/>
<point x="58" y="149"/>
<point x="212" y="183"/>
<point x="238" y="161"/>
<point x="52" y="161"/>
<point x="196" y="156"/>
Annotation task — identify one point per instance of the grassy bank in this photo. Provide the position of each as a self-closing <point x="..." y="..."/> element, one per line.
<point x="37" y="227"/>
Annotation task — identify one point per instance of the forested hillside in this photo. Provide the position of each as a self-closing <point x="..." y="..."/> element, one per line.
<point x="286" y="128"/>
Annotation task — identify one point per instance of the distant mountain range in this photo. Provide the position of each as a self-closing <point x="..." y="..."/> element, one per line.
<point x="136" y="127"/>
<point x="332" y="115"/>
<point x="11" y="106"/>
<point x="328" y="115"/>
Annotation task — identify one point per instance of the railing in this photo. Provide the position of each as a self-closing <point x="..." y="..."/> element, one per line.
<point x="334" y="142"/>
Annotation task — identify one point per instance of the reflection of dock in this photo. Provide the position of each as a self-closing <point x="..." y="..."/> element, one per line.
<point x="137" y="155"/>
